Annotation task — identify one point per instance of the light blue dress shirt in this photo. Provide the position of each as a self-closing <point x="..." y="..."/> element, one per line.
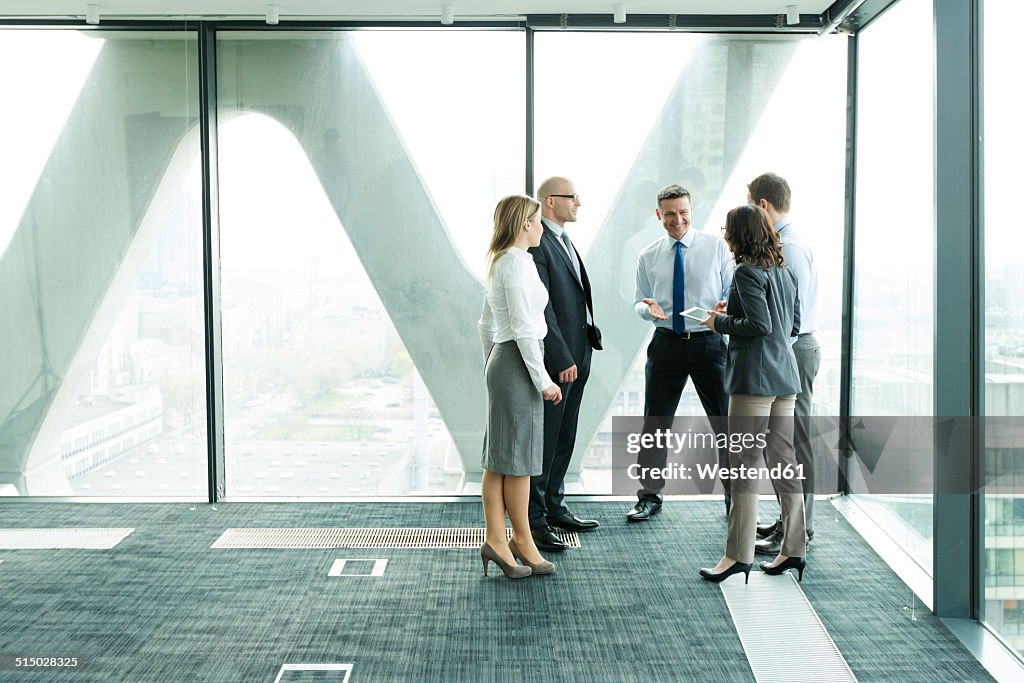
<point x="708" y="265"/>
<point x="799" y="258"/>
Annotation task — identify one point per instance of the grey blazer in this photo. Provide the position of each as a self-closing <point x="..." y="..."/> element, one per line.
<point x="762" y="314"/>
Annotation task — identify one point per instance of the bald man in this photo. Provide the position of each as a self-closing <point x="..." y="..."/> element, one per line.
<point x="571" y="339"/>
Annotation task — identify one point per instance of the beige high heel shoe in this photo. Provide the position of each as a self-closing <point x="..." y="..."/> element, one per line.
<point x="539" y="568"/>
<point x="512" y="571"/>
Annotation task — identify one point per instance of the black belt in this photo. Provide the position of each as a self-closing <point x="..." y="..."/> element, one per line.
<point x="684" y="335"/>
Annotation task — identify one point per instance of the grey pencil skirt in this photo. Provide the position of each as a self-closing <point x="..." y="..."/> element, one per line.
<point x="514" y="440"/>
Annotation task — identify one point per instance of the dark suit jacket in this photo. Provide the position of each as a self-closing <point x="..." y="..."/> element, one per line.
<point x="762" y="315"/>
<point x="569" y="337"/>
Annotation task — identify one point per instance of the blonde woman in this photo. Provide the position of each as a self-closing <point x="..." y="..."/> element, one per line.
<point x="511" y="329"/>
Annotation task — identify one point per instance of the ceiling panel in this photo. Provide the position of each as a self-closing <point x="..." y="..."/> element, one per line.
<point x="414" y="9"/>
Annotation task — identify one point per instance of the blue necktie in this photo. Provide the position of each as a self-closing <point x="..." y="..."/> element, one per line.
<point x="678" y="292"/>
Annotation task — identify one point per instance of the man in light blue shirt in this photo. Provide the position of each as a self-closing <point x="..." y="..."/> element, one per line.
<point x="771" y="192"/>
<point x="681" y="269"/>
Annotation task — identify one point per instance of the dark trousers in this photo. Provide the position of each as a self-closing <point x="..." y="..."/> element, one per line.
<point x="671" y="361"/>
<point x="547" y="491"/>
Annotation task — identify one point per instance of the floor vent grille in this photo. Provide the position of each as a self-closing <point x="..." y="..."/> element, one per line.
<point x="46" y="539"/>
<point x="363" y="538"/>
<point x="783" y="637"/>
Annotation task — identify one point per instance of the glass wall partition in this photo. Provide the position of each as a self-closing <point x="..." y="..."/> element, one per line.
<point x="623" y="115"/>
<point x="1004" y="325"/>
<point x="101" y="328"/>
<point x="894" y="264"/>
<point x="356" y="194"/>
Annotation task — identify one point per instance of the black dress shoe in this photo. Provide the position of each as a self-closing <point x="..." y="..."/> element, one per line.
<point x="769" y="545"/>
<point x="765" y="530"/>
<point x="544" y="538"/>
<point x="772" y="544"/>
<point x="571" y="522"/>
<point x="644" y="509"/>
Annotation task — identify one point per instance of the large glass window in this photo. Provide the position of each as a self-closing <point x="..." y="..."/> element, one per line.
<point x="1004" y="320"/>
<point x="623" y="115"/>
<point x="895" y="252"/>
<point x="357" y="193"/>
<point x="101" y="328"/>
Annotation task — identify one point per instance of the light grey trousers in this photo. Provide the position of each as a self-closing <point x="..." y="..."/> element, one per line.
<point x="808" y="360"/>
<point x="773" y="417"/>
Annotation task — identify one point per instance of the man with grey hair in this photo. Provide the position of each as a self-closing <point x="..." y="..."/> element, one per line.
<point x="571" y="339"/>
<point x="681" y="269"/>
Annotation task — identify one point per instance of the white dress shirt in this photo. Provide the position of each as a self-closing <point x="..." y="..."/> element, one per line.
<point x="799" y="258"/>
<point x="708" y="266"/>
<point x="514" y="310"/>
<point x="558" y="230"/>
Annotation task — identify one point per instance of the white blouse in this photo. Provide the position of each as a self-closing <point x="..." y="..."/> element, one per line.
<point x="514" y="309"/>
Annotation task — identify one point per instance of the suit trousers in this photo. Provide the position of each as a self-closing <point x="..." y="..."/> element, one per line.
<point x="808" y="360"/>
<point x="671" y="361"/>
<point x="547" y="491"/>
<point x="773" y="417"/>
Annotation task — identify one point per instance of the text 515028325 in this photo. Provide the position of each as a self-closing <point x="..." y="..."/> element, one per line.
<point x="38" y="662"/>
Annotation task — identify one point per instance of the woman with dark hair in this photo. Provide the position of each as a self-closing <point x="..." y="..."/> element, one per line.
<point x="512" y="328"/>
<point x="761" y="318"/>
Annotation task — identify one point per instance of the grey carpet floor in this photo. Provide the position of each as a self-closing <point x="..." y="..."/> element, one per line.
<point x="627" y="606"/>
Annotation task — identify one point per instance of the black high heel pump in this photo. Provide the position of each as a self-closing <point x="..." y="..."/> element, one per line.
<point x="797" y="563"/>
<point x="737" y="568"/>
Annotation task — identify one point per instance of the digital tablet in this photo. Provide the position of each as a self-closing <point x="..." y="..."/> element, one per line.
<point x="696" y="313"/>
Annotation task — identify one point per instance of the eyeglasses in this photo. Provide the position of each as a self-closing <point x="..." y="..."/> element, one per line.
<point x="573" y="197"/>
